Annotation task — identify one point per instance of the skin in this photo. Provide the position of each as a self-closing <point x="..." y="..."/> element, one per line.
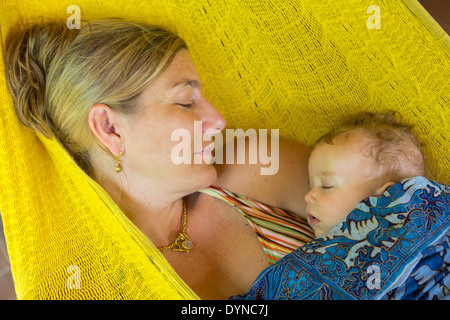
<point x="227" y="255"/>
<point x="339" y="179"/>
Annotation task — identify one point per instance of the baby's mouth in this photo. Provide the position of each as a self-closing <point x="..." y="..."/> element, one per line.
<point x="312" y="219"/>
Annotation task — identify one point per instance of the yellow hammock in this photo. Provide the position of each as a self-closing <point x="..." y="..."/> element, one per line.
<point x="297" y="66"/>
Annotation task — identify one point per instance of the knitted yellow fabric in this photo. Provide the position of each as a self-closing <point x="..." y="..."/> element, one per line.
<point x="297" y="66"/>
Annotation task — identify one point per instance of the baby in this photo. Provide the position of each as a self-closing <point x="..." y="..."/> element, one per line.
<point x="362" y="158"/>
<point x="387" y="253"/>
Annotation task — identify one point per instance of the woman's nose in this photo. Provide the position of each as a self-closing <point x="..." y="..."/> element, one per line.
<point x="212" y="121"/>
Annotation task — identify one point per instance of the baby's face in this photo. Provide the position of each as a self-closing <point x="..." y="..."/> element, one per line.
<point x="339" y="180"/>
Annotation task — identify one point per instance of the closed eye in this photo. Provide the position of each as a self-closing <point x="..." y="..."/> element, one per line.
<point x="327" y="187"/>
<point x="188" y="105"/>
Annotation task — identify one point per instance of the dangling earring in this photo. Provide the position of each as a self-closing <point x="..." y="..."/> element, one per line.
<point x="118" y="167"/>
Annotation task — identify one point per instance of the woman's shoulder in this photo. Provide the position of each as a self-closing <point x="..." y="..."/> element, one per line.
<point x="284" y="187"/>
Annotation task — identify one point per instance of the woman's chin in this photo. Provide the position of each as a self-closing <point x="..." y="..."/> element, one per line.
<point x="202" y="175"/>
<point x="210" y="175"/>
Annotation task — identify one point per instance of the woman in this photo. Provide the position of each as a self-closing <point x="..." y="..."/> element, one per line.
<point x="113" y="93"/>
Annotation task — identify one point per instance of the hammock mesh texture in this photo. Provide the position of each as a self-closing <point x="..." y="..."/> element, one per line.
<point x="297" y="66"/>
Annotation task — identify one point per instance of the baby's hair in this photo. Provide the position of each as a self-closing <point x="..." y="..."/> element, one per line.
<point x="389" y="140"/>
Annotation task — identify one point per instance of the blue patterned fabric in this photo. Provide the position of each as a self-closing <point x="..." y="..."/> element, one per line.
<point x="391" y="247"/>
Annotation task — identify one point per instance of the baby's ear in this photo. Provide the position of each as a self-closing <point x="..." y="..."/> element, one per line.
<point x="383" y="188"/>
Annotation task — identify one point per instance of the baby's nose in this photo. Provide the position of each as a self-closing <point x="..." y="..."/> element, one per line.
<point x="310" y="197"/>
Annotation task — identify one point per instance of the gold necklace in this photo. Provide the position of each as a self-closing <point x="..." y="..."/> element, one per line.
<point x="182" y="242"/>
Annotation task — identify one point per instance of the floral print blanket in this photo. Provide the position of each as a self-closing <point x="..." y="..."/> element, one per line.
<point x="391" y="247"/>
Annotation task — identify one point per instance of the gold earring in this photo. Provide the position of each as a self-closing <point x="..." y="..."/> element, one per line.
<point x="118" y="167"/>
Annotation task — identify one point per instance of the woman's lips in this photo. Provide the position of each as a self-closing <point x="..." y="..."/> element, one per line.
<point x="208" y="149"/>
<point x="206" y="154"/>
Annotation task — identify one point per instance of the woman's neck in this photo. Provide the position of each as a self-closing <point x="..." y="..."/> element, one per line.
<point x="157" y="213"/>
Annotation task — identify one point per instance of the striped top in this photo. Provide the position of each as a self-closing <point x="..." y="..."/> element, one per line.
<point x="279" y="231"/>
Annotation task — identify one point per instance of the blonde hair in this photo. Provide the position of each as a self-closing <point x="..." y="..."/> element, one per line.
<point x="56" y="74"/>
<point x="389" y="141"/>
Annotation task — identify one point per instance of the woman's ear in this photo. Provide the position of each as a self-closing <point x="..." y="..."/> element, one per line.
<point x="383" y="188"/>
<point x="103" y="123"/>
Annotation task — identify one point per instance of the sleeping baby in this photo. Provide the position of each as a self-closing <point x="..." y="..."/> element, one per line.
<point x="382" y="229"/>
<point x="362" y="158"/>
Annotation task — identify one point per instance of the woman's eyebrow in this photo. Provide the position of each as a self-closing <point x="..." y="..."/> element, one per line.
<point x="188" y="82"/>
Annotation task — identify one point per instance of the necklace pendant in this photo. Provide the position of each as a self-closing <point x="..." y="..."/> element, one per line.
<point x="183" y="243"/>
<point x="187" y="245"/>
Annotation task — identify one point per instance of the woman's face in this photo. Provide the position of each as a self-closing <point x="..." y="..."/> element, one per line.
<point x="170" y="105"/>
